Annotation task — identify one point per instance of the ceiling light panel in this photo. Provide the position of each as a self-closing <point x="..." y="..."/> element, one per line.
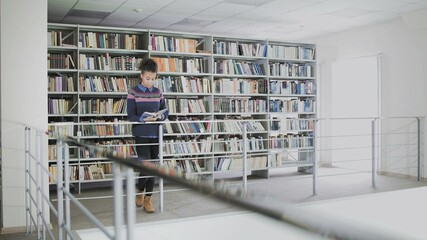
<point x="81" y="20"/>
<point x="87" y="13"/>
<point x="97" y="6"/>
<point x="127" y="16"/>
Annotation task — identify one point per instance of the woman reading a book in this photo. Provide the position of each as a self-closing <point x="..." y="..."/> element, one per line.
<point x="145" y="103"/>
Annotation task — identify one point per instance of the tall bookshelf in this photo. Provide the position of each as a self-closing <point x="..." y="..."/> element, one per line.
<point x="269" y="84"/>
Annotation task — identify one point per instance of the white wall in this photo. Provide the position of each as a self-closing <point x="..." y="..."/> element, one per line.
<point x="404" y="67"/>
<point x="23" y="95"/>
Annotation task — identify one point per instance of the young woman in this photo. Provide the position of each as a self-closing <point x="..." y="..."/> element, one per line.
<point x="141" y="99"/>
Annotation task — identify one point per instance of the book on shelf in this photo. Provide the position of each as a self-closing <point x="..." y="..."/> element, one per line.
<point x="267" y="86"/>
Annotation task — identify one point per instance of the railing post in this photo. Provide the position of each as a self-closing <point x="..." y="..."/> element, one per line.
<point x="67" y="186"/>
<point x="79" y="150"/>
<point x="161" y="193"/>
<point x="244" y="149"/>
<point x="316" y="122"/>
<point x="373" y="153"/>
<point x="59" y="186"/>
<point x="27" y="180"/>
<point x="118" y="201"/>
<point x="130" y="192"/>
<point x="42" y="184"/>
<point x="38" y="197"/>
<point x="418" y="150"/>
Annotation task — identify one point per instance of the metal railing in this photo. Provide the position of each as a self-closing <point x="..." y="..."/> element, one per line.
<point x="42" y="204"/>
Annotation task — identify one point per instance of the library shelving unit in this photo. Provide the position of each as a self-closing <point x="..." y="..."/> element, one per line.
<point x="212" y="84"/>
<point x="292" y="104"/>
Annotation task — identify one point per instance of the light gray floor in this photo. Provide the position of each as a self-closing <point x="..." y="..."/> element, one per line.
<point x="283" y="186"/>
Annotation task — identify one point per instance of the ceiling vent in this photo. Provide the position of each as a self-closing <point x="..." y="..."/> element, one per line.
<point x="87" y="13"/>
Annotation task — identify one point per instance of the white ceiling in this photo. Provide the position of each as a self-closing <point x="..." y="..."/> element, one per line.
<point x="291" y="20"/>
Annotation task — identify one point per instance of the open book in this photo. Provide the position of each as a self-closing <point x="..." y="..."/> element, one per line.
<point x="153" y="116"/>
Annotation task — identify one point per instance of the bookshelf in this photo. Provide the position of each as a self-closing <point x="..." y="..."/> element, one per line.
<point x="211" y="85"/>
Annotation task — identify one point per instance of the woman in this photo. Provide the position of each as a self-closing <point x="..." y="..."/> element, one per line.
<point x="141" y="100"/>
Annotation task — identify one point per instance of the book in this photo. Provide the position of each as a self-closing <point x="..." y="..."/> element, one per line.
<point x="153" y="116"/>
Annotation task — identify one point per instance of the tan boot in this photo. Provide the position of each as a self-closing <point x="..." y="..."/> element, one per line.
<point x="139" y="199"/>
<point x="148" y="206"/>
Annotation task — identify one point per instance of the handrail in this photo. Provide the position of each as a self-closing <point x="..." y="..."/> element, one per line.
<point x="287" y="214"/>
<point x="297" y="217"/>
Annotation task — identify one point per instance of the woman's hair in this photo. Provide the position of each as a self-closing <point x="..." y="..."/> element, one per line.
<point x="148" y="65"/>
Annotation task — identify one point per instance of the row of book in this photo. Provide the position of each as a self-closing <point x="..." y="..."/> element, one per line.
<point x="60" y="38"/>
<point x="237" y="126"/>
<point x="236" y="163"/>
<point x="291" y="141"/>
<point x="60" y="106"/>
<point x="235" y="144"/>
<point x="119" y="147"/>
<point x="61" y="128"/>
<point x="103" y="106"/>
<point x="92" y="128"/>
<point x="239" y="49"/>
<point x="188" y="127"/>
<point x="60" y="83"/>
<point x="107" y="84"/>
<point x="240" y="86"/>
<point x="183" y="105"/>
<point x="83" y="172"/>
<point x="239" y="105"/>
<point x="291" y="52"/>
<point x="187" y="65"/>
<point x="187" y="146"/>
<point x="291" y="70"/>
<point x="107" y="63"/>
<point x="181" y="84"/>
<point x="234" y="67"/>
<point x="184" y="165"/>
<point x="292" y="87"/>
<point x="173" y="44"/>
<point x="60" y="61"/>
<point x="205" y="127"/>
<point x="288" y="124"/>
<point x="110" y="40"/>
<point x="292" y="105"/>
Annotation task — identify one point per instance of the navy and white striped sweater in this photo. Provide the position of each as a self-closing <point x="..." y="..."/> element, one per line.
<point x="140" y="100"/>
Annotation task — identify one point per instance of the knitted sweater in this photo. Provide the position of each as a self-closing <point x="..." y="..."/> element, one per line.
<point x="140" y="100"/>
